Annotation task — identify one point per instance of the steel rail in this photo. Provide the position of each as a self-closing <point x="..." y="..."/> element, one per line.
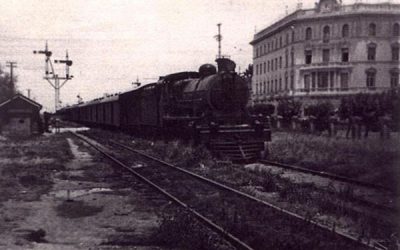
<point x="342" y="179"/>
<point x="328" y="175"/>
<point x="370" y="244"/>
<point x="226" y="235"/>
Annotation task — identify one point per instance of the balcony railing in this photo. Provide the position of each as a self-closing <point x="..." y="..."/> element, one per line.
<point x="330" y="91"/>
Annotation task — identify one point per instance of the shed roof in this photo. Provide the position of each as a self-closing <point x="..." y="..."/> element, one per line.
<point x="22" y="97"/>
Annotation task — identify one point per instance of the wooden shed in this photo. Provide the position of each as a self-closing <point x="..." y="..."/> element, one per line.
<point x="20" y="116"/>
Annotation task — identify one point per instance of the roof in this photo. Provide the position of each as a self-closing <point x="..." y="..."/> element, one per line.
<point x="24" y="98"/>
<point x="340" y="10"/>
<point x="180" y="76"/>
<point x="104" y="99"/>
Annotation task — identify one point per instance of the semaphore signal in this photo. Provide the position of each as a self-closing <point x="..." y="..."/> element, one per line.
<point x="51" y="76"/>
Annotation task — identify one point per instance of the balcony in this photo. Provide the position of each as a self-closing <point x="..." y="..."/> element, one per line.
<point x="338" y="91"/>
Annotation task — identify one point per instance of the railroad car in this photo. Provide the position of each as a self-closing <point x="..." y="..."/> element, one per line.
<point x="208" y="106"/>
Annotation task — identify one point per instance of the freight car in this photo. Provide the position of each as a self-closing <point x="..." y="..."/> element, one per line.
<point x="208" y="107"/>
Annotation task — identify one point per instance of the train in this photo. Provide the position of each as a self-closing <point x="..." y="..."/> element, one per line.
<point x="208" y="106"/>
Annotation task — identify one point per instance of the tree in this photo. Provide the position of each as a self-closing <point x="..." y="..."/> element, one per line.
<point x="287" y="108"/>
<point x="7" y="87"/>
<point x="248" y="73"/>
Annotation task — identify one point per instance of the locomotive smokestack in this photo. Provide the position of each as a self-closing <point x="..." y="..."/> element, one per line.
<point x="225" y="64"/>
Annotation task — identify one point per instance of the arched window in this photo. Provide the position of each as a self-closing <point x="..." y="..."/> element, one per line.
<point x="371" y="51"/>
<point x="326" y="34"/>
<point x="345" y="30"/>
<point x="308" y="33"/>
<point x="265" y="87"/>
<point x="370" y="74"/>
<point x="394" y="77"/>
<point x="396" y="29"/>
<point x="395" y="52"/>
<point x="286" y="81"/>
<point x="372" y="29"/>
<point x="292" y="80"/>
<point x="286" y="58"/>
<point x="292" y="56"/>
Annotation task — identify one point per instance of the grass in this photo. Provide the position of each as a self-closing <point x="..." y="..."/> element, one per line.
<point x="179" y="229"/>
<point x="371" y="159"/>
<point x="26" y="164"/>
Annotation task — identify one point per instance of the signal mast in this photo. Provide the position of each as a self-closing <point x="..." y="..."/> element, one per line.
<point x="51" y="76"/>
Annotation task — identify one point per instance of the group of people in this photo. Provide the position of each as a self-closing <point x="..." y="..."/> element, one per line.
<point x="373" y="111"/>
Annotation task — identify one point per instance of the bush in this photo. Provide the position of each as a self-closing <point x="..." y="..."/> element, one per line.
<point x="321" y="112"/>
<point x="287" y="108"/>
<point x="264" y="109"/>
<point x="386" y="103"/>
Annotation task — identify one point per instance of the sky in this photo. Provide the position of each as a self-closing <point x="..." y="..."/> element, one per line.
<point x="112" y="43"/>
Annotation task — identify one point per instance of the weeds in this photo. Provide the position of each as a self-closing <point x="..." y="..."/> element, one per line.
<point x="180" y="229"/>
<point x="25" y="166"/>
<point x="269" y="182"/>
<point x="356" y="159"/>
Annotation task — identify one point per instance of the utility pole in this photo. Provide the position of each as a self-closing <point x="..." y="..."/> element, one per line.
<point x="29" y="93"/>
<point x="52" y="77"/>
<point x="11" y="65"/>
<point x="219" y="39"/>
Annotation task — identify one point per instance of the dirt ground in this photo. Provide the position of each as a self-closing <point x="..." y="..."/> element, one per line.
<point x="55" y="193"/>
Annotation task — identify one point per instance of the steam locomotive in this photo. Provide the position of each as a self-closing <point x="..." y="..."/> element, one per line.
<point x="208" y="107"/>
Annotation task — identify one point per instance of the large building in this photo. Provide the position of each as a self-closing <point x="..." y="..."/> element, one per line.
<point x="328" y="51"/>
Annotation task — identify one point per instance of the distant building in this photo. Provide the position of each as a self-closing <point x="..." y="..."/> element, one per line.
<point x="328" y="51"/>
<point x="20" y="116"/>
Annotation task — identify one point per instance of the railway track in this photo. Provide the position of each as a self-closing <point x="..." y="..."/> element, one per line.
<point x="245" y="221"/>
<point x="384" y="195"/>
<point x="328" y="175"/>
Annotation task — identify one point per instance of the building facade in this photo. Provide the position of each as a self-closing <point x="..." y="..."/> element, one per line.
<point x="327" y="52"/>
<point x="20" y="116"/>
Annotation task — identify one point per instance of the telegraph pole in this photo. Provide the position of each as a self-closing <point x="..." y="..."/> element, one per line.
<point x="219" y="39"/>
<point x="52" y="77"/>
<point x="11" y="65"/>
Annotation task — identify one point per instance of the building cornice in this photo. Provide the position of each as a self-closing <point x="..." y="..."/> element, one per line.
<point x="359" y="9"/>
